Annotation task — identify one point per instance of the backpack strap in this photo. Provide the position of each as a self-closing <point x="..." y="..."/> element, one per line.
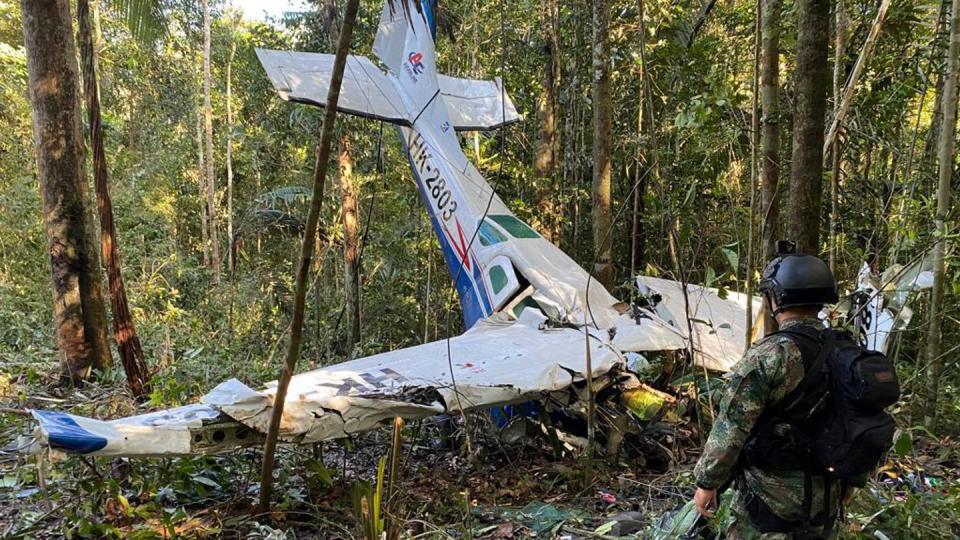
<point x="814" y="349"/>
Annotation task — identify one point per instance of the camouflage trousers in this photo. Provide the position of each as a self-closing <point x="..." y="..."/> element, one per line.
<point x="738" y="525"/>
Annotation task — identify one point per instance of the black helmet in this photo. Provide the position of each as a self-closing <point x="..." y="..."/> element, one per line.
<point x="794" y="279"/>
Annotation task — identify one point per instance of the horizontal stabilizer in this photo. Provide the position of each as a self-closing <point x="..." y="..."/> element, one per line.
<point x="305" y="78"/>
<point x="477" y="105"/>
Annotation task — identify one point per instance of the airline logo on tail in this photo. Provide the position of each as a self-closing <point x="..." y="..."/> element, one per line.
<point x="416" y="63"/>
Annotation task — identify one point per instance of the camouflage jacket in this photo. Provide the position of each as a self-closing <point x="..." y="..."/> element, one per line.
<point x="769" y="371"/>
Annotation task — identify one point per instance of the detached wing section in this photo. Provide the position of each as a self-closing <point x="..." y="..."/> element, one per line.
<point x="305" y="78"/>
<point x="493" y="364"/>
<point x="477" y="105"/>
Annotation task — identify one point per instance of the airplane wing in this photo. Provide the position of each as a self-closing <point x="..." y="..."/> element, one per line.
<point x="494" y="363"/>
<point x="477" y="105"/>
<point x="305" y="78"/>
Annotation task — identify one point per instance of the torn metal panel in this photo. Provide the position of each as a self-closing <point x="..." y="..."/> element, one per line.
<point x="719" y="325"/>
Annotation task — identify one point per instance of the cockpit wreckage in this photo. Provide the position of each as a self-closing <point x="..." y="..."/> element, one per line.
<point x="532" y="314"/>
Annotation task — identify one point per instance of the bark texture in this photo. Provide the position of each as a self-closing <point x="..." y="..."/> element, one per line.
<point x="348" y="197"/>
<point x="770" y="137"/>
<point x="545" y="161"/>
<point x="208" y="135"/>
<point x="75" y="267"/>
<point x="948" y="127"/>
<point x="124" y="331"/>
<point x="812" y="79"/>
<point x="602" y="167"/>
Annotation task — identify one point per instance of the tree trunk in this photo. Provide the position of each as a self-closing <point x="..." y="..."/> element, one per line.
<point x="948" y="126"/>
<point x="602" y="119"/>
<point x="811" y="79"/>
<point x="208" y="133"/>
<point x="231" y="252"/>
<point x="53" y="79"/>
<point x="754" y="169"/>
<point x="202" y="190"/>
<point x="124" y="331"/>
<point x="545" y="161"/>
<point x="839" y="55"/>
<point x="646" y="161"/>
<point x="770" y="137"/>
<point x="932" y="143"/>
<point x="306" y="252"/>
<point x="348" y="194"/>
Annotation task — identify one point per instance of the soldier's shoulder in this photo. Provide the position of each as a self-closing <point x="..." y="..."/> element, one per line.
<point x="775" y="344"/>
<point x="771" y="352"/>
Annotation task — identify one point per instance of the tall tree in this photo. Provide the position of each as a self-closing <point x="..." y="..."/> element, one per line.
<point x="545" y="161"/>
<point x="754" y="166"/>
<point x="53" y="80"/>
<point x="231" y="252"/>
<point x="812" y="76"/>
<point x="211" y="180"/>
<point x="348" y="197"/>
<point x="202" y="190"/>
<point x="124" y="331"/>
<point x="948" y="128"/>
<point x="602" y="166"/>
<point x="770" y="135"/>
<point x="646" y="159"/>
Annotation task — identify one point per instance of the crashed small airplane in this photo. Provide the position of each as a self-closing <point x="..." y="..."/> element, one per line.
<point x="533" y="316"/>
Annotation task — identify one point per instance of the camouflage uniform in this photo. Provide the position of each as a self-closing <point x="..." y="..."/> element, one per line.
<point x="769" y="371"/>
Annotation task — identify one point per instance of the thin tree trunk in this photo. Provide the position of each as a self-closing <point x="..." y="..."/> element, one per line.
<point x="124" y="331"/>
<point x="770" y="136"/>
<point x="571" y="160"/>
<point x="844" y="103"/>
<point x="75" y="267"/>
<point x="932" y="143"/>
<point x="202" y="190"/>
<point x="545" y="160"/>
<point x="306" y="252"/>
<point x="231" y="252"/>
<point x="839" y="54"/>
<point x="647" y="162"/>
<point x="208" y="134"/>
<point x="602" y="166"/>
<point x="948" y="128"/>
<point x="348" y="194"/>
<point x="754" y="166"/>
<point x="811" y="80"/>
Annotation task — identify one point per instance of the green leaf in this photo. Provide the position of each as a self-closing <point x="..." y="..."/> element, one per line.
<point x="903" y="444"/>
<point x="711" y="276"/>
<point x="732" y="258"/>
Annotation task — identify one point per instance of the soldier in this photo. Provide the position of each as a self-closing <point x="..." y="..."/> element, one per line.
<point x="777" y="494"/>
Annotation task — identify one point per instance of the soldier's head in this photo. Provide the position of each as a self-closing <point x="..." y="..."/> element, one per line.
<point x="795" y="284"/>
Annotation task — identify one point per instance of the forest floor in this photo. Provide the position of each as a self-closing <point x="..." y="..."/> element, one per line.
<point x="513" y="488"/>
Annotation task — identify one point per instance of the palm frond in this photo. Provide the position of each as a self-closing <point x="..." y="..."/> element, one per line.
<point x="287" y="195"/>
<point x="144" y="19"/>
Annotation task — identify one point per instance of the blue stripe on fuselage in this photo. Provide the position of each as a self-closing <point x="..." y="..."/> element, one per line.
<point x="65" y="434"/>
<point x="470" y="289"/>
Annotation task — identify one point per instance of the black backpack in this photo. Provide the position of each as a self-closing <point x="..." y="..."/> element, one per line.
<point x="836" y="414"/>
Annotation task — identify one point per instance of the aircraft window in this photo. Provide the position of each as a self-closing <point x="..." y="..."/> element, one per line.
<point x="498" y="279"/>
<point x="514" y="226"/>
<point x="489" y="235"/>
